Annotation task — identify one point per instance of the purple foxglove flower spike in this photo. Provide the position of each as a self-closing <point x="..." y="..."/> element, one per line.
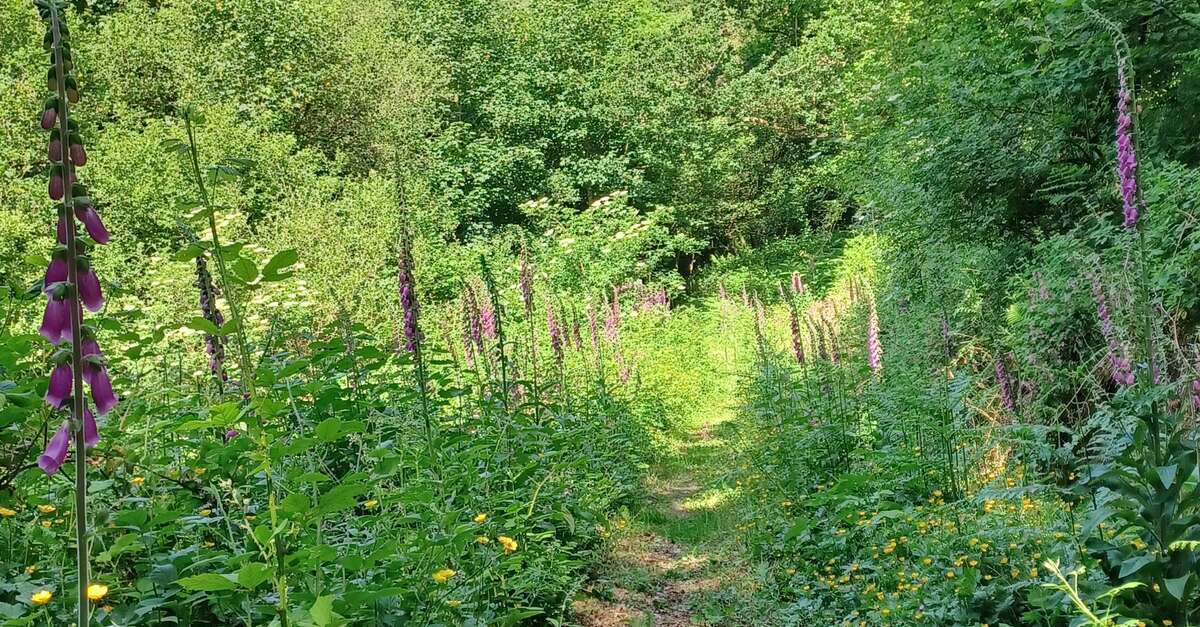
<point x="1122" y="368"/>
<point x="60" y="385"/>
<point x="526" y="281"/>
<point x="555" y="331"/>
<point x="56" y="321"/>
<point x="797" y="284"/>
<point x="408" y="298"/>
<point x="89" y="291"/>
<point x="91" y="221"/>
<point x="874" y="349"/>
<point x="487" y="318"/>
<point x="55" y="454"/>
<point x="1126" y="155"/>
<point x="56" y="272"/>
<point x="594" y="326"/>
<point x="723" y="293"/>
<point x="91" y="434"/>
<point x="612" y="322"/>
<point x="797" y="341"/>
<point x="1006" y="397"/>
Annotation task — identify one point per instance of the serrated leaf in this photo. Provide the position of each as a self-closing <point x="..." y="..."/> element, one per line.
<point x="253" y="574"/>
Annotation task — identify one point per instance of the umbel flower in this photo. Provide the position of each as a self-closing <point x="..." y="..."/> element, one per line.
<point x="70" y="283"/>
<point x="1126" y="154"/>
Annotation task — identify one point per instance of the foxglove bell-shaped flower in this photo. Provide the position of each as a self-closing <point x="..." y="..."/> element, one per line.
<point x="60" y="385"/>
<point x="78" y="154"/>
<point x="56" y="272"/>
<point x="56" y="321"/>
<point x="91" y="221"/>
<point x="89" y="291"/>
<point x="91" y="434"/>
<point x="55" y="454"/>
<point x="102" y="392"/>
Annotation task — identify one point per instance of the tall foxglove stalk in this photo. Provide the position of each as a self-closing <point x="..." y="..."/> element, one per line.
<point x="874" y="349"/>
<point x="1127" y="163"/>
<point x="1002" y="379"/>
<point x="213" y="345"/>
<point x="555" y="330"/>
<point x="797" y="284"/>
<point x="1122" y="369"/>
<point x="71" y="284"/>
<point x="525" y="283"/>
<point x="797" y="339"/>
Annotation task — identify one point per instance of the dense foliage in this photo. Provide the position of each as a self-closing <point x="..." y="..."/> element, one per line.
<point x="402" y="296"/>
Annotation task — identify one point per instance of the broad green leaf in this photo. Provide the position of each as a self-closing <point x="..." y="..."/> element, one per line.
<point x="209" y="582"/>
<point x="253" y="574"/>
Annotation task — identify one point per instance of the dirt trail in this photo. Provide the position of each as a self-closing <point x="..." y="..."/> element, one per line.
<point x="667" y="562"/>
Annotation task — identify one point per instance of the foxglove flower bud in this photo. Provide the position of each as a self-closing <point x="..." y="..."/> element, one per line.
<point x="56" y="272"/>
<point x="55" y="454"/>
<point x="49" y="117"/>
<point x="89" y="290"/>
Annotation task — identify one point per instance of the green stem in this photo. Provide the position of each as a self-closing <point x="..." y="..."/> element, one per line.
<point x="67" y="215"/>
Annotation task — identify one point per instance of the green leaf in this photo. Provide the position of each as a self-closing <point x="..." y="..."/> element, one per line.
<point x="281" y="260"/>
<point x="295" y="503"/>
<point x="322" y="611"/>
<point x="340" y="498"/>
<point x="1166" y="474"/>
<point x="253" y="574"/>
<point x="209" y="582"/>
<point x="201" y="324"/>
<point x="1130" y="566"/>
<point x="329" y="429"/>
<point x="245" y="269"/>
<point x="1177" y="586"/>
<point x="190" y="252"/>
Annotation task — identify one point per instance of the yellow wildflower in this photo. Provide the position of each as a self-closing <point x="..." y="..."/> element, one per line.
<point x="41" y="597"/>
<point x="454" y="603"/>
<point x="137" y="481"/>
<point x="481" y="518"/>
<point x="47" y="509"/>
<point x="371" y="503"/>
<point x="482" y="540"/>
<point x="96" y="592"/>
<point x="508" y="543"/>
<point x="5" y="512"/>
<point x="443" y="575"/>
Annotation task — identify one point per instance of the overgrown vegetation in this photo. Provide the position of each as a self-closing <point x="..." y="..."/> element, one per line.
<point x="396" y="309"/>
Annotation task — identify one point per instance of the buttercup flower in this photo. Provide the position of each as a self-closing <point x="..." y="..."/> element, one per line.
<point x="41" y="597"/>
<point x="508" y="543"/>
<point x="443" y="575"/>
<point x="96" y="592"/>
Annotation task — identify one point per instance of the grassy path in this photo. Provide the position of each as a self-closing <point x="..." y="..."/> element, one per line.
<point x="678" y="559"/>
